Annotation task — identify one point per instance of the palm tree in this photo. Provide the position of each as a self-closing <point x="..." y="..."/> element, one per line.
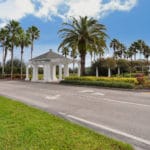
<point x="65" y="51"/>
<point x="122" y="50"/>
<point x="115" y="46"/>
<point x="13" y="28"/>
<point x="100" y="47"/>
<point x="34" y="35"/>
<point x="140" y="46"/>
<point x="82" y="32"/>
<point x="134" y="49"/>
<point x="4" y="41"/>
<point x="23" y="41"/>
<point x="146" y="52"/>
<point x="130" y="52"/>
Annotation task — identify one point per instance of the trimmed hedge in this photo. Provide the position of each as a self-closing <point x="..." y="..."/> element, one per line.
<point x="100" y="83"/>
<point x="106" y="79"/>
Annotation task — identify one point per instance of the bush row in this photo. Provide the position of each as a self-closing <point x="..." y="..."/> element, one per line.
<point x="15" y="76"/>
<point x="106" y="79"/>
<point x="100" y="83"/>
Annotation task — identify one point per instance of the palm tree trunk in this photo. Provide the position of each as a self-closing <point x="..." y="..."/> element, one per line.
<point x="5" y="55"/>
<point x="109" y="72"/>
<point x="97" y="74"/>
<point x="12" y="62"/>
<point x="32" y="49"/>
<point x="118" y="71"/>
<point x="100" y="56"/>
<point x="91" y="59"/>
<point x="82" y="64"/>
<point x="21" y="61"/>
<point x="73" y="64"/>
<point x="135" y="56"/>
<point x="94" y="57"/>
<point x="3" y="69"/>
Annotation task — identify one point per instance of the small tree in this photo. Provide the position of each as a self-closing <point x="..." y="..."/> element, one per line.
<point x="122" y="65"/>
<point x="17" y="64"/>
<point x="110" y="63"/>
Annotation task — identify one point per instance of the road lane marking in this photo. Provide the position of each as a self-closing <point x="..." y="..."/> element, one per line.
<point x="98" y="94"/>
<point x="144" y="141"/>
<point x="87" y="91"/>
<point x="125" y="102"/>
<point x="61" y="113"/>
<point x="52" y="97"/>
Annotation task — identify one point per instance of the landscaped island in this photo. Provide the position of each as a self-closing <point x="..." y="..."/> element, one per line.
<point x="115" y="82"/>
<point x="23" y="127"/>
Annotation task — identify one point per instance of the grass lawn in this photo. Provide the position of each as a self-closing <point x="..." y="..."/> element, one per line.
<point x="26" y="128"/>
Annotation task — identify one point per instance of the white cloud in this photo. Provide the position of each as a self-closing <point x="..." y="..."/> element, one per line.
<point x="48" y="8"/>
<point x="119" y="5"/>
<point x="17" y="9"/>
<point x="89" y="8"/>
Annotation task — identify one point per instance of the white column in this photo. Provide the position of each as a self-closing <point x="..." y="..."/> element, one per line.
<point x="49" y="78"/>
<point x="47" y="73"/>
<point x="79" y="69"/>
<point x="53" y="72"/>
<point x="60" y="72"/>
<point x="66" y="70"/>
<point x="35" y="73"/>
<point x="27" y="74"/>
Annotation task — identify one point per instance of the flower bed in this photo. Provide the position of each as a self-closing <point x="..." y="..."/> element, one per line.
<point x="114" y="82"/>
<point x="107" y="79"/>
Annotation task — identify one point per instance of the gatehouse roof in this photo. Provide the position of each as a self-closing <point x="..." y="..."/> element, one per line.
<point x="50" y="55"/>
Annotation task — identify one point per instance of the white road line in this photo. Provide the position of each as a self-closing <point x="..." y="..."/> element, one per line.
<point x="123" y="102"/>
<point x="110" y="129"/>
<point x="52" y="97"/>
<point x="86" y="91"/>
<point x="98" y="94"/>
<point x="61" y="113"/>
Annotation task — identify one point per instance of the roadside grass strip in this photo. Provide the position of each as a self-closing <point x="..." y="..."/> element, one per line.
<point x="23" y="127"/>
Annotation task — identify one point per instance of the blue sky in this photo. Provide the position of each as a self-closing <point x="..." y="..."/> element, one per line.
<point x="126" y="20"/>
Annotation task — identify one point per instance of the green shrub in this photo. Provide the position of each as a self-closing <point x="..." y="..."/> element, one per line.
<point x="15" y="76"/>
<point x="100" y="83"/>
<point x="106" y="79"/>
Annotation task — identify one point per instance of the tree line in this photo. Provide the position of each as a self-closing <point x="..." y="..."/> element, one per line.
<point x="87" y="35"/>
<point x="13" y="35"/>
<point x="137" y="47"/>
<point x="80" y="36"/>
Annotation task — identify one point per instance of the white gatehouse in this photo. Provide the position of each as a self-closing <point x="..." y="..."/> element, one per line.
<point x="49" y="61"/>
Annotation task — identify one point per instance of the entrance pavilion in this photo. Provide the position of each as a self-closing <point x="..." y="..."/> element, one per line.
<point x="49" y="61"/>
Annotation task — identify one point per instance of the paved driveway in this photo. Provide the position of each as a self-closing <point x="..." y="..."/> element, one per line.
<point x="124" y="115"/>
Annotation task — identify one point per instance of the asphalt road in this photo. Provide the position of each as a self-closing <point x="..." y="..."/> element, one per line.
<point x="124" y="115"/>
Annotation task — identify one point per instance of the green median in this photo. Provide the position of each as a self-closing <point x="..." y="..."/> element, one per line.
<point x="26" y="128"/>
<point x="114" y="82"/>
